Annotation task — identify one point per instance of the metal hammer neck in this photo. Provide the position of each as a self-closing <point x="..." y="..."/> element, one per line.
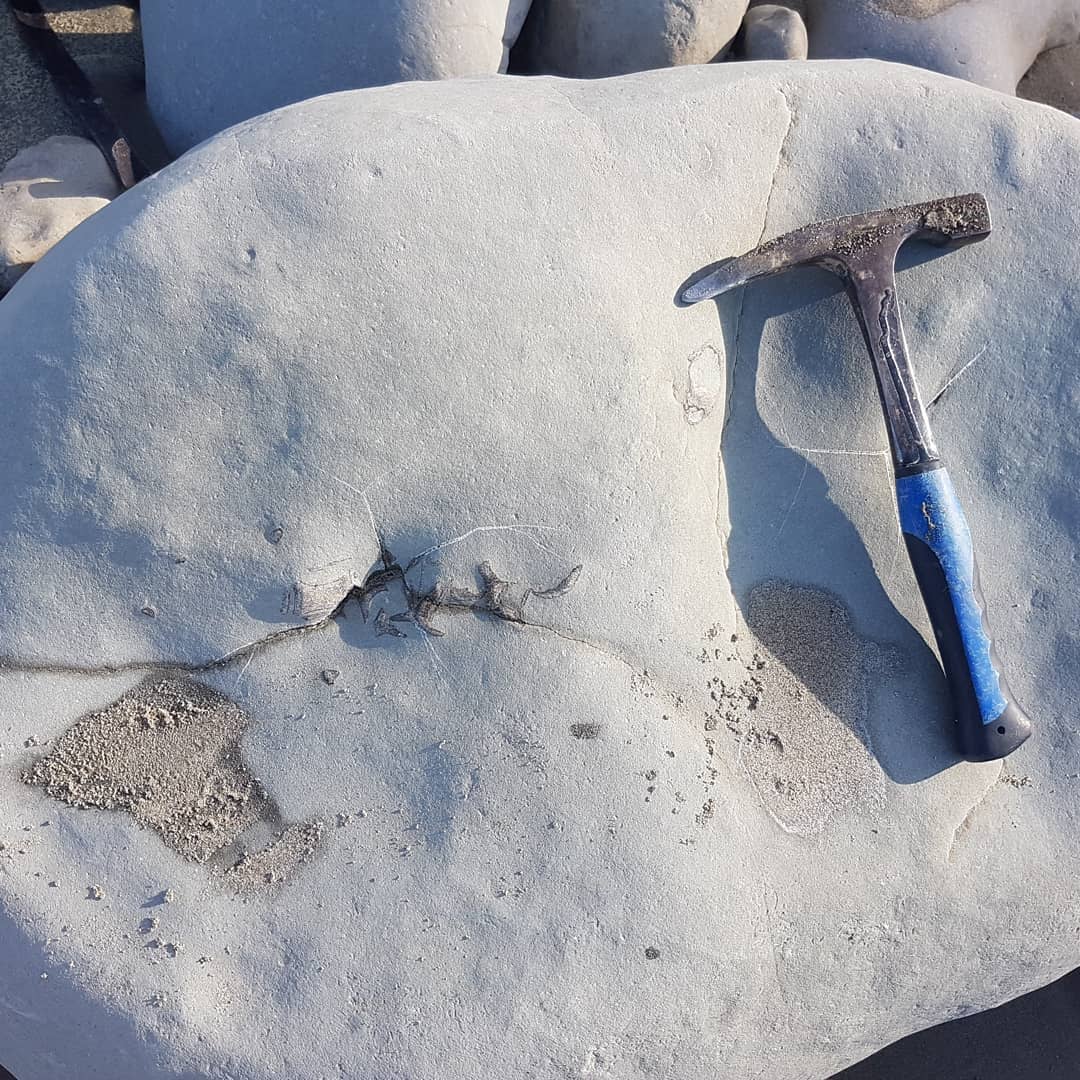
<point x="871" y="286"/>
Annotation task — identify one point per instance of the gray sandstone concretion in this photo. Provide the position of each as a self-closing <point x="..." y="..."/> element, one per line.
<point x="554" y="663"/>
<point x="596" y="38"/>
<point x="990" y="42"/>
<point x="45" y="191"/>
<point x="210" y="65"/>
<point x="774" y="32"/>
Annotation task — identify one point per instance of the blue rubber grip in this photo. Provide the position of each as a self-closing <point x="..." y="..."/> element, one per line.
<point x="990" y="724"/>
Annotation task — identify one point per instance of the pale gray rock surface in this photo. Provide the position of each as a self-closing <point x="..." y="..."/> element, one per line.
<point x="209" y="65"/>
<point x="671" y="796"/>
<point x="990" y="42"/>
<point x="774" y="32"/>
<point x="45" y="191"/>
<point x="593" y="38"/>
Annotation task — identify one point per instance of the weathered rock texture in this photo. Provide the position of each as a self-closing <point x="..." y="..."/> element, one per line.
<point x="45" y="191"/>
<point x="990" y="42"/>
<point x="580" y="619"/>
<point x="209" y="65"/>
<point x="588" y="38"/>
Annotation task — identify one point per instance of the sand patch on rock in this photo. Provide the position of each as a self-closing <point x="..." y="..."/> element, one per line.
<point x="798" y="717"/>
<point x="168" y="753"/>
<point x="275" y="863"/>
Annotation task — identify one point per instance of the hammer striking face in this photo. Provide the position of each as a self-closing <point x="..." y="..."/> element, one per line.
<point x="862" y="251"/>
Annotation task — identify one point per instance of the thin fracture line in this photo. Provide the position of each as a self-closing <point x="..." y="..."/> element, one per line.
<point x="789" y="445"/>
<point x="795" y="497"/>
<point x="844" y="453"/>
<point x="440" y="668"/>
<point x="487" y="528"/>
<point x="345" y="483"/>
<point x="952" y="378"/>
<point x="371" y="518"/>
<point x="899" y="531"/>
<point x="243" y="670"/>
<point x="362" y="492"/>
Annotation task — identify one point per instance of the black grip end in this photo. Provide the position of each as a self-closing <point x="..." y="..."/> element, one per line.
<point x="939" y="543"/>
<point x="997" y="739"/>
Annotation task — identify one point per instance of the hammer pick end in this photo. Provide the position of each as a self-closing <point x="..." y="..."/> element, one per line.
<point x="709" y="286"/>
<point x="839" y="243"/>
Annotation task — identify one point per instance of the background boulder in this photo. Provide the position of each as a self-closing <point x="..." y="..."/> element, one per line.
<point x="590" y="38"/>
<point x="45" y="191"/>
<point x="990" y="42"/>
<point x="550" y="649"/>
<point x="209" y="65"/>
<point x="774" y="32"/>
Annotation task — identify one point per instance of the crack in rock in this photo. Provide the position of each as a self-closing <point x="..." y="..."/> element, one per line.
<point x="780" y="151"/>
<point x="496" y="596"/>
<point x="964" y="827"/>
<point x="319" y="603"/>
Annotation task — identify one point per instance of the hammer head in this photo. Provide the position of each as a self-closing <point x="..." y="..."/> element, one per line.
<point x="849" y="244"/>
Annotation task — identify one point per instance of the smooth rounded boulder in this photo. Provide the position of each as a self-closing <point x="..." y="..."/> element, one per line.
<point x="990" y="42"/>
<point x="45" y="191"/>
<point x="597" y="38"/>
<point x="774" y="32"/>
<point x="430" y="650"/>
<point x="209" y="65"/>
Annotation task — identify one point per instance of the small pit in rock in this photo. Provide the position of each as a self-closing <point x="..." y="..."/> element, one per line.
<point x="585" y="731"/>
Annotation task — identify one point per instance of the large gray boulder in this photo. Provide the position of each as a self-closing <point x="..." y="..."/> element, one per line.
<point x="591" y="38"/>
<point x="774" y="32"/>
<point x="990" y="42"/>
<point x="209" y="65"/>
<point x="429" y="651"/>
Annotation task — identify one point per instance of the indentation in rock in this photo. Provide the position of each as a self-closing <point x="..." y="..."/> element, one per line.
<point x="704" y="383"/>
<point x="585" y="731"/>
<point x="168" y="753"/>
<point x="798" y="715"/>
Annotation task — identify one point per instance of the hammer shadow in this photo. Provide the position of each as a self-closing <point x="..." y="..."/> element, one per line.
<point x="784" y="528"/>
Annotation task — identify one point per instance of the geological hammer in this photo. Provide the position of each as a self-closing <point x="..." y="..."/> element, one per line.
<point x="861" y="250"/>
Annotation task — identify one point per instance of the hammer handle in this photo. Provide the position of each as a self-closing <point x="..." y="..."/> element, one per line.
<point x="989" y="722"/>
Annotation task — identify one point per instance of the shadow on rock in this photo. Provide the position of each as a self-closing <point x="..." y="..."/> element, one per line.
<point x="839" y="665"/>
